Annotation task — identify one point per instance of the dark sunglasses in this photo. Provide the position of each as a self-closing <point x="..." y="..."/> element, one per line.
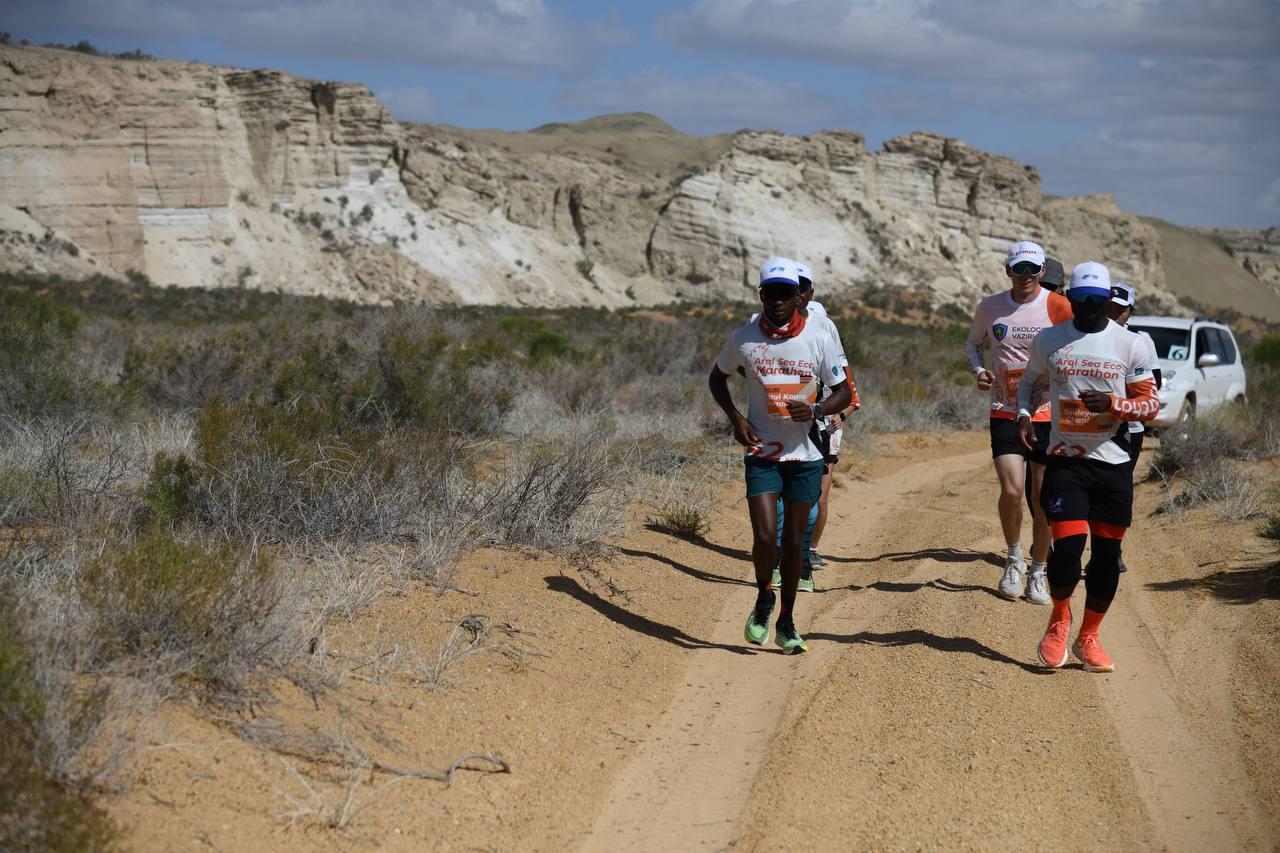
<point x="1025" y="268"/>
<point x="1091" y="298"/>
<point x="776" y="292"/>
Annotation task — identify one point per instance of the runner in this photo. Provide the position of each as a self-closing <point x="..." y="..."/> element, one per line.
<point x="782" y="356"/>
<point x="1099" y="377"/>
<point x="1119" y="311"/>
<point x="833" y="428"/>
<point x="1053" y="276"/>
<point x="1007" y="322"/>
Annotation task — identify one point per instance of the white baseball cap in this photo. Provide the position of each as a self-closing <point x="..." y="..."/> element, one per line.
<point x="1090" y="278"/>
<point x="779" y="270"/>
<point x="1123" y="294"/>
<point x="1025" y="251"/>
<point x="803" y="270"/>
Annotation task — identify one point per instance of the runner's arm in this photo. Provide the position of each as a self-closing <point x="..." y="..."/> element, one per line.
<point x="973" y="350"/>
<point x="1141" y="403"/>
<point x="718" y="384"/>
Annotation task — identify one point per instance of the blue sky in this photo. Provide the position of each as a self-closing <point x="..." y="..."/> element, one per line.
<point x="1169" y="104"/>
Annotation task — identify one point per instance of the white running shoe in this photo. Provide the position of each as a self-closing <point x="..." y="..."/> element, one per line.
<point x="1011" y="584"/>
<point x="1038" y="587"/>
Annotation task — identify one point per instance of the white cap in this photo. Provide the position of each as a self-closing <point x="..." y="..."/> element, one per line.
<point x="1090" y="277"/>
<point x="1025" y="251"/>
<point x="779" y="270"/>
<point x="1123" y="294"/>
<point x="803" y="270"/>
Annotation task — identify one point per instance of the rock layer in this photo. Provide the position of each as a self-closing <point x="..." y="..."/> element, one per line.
<point x="200" y="175"/>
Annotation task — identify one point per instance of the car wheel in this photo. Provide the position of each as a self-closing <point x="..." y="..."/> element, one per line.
<point x="1187" y="413"/>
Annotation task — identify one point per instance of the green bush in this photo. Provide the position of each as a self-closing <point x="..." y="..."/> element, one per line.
<point x="38" y="811"/>
<point x="169" y="493"/>
<point x="36" y="374"/>
<point x="206" y="609"/>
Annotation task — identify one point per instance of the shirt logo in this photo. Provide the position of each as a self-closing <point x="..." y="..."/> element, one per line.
<point x="835" y="371"/>
<point x="1000" y="330"/>
<point x="1055" y="505"/>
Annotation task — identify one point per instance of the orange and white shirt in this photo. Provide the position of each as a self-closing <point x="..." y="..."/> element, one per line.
<point x="778" y="371"/>
<point x="1115" y="361"/>
<point x="1008" y="327"/>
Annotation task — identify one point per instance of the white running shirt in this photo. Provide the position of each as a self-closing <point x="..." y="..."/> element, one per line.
<point x="1136" y="426"/>
<point x="1008" y="327"/>
<point x="1113" y="360"/>
<point x="778" y="371"/>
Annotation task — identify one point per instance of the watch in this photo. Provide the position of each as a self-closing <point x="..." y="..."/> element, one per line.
<point x="817" y="411"/>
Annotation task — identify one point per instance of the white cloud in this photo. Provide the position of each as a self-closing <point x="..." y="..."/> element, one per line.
<point x="510" y="34"/>
<point x="716" y="103"/>
<point x="409" y="103"/>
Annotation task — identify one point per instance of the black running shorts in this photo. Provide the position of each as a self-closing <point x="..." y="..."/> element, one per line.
<point x="1004" y="440"/>
<point x="1087" y="490"/>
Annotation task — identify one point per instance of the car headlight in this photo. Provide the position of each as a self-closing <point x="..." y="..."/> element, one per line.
<point x="1168" y="375"/>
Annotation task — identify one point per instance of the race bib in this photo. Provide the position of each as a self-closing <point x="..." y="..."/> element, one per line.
<point x="1074" y="417"/>
<point x="779" y="393"/>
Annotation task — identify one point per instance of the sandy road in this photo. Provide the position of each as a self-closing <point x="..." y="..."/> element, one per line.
<point x="919" y="719"/>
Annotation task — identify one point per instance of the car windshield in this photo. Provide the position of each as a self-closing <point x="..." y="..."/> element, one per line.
<point x="1171" y="344"/>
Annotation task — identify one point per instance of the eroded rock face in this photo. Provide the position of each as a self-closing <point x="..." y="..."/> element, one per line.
<point x="200" y="175"/>
<point x="1257" y="251"/>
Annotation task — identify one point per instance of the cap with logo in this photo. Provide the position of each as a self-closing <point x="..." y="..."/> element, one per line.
<point x="1053" y="274"/>
<point x="806" y="276"/>
<point x="1122" y="294"/>
<point x="1025" y="251"/>
<point x="779" y="270"/>
<point x="1090" y="279"/>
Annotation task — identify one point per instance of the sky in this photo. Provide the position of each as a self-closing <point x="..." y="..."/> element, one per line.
<point x="1172" y="105"/>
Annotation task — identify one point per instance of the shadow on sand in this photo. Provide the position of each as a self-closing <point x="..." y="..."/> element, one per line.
<point x="942" y="555"/>
<point x="1246" y="585"/>
<point x="917" y="637"/>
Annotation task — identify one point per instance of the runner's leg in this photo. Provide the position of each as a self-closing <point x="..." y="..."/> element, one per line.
<point x="1011" y="474"/>
<point x="820" y="523"/>
<point x="1041" y="534"/>
<point x="764" y="529"/>
<point x="793" y="531"/>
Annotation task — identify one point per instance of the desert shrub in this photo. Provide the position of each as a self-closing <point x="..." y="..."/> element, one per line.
<point x="1270" y="528"/>
<point x="684" y="518"/>
<point x="546" y="346"/>
<point x="39" y="809"/>
<point x="1240" y="431"/>
<point x="169" y="494"/>
<point x="36" y="375"/>
<point x="209" y="611"/>
<point x="65" y="473"/>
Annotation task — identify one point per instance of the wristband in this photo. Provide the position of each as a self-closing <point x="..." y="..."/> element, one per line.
<point x="817" y="411"/>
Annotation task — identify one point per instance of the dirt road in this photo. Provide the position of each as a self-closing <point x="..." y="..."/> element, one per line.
<point x="919" y="719"/>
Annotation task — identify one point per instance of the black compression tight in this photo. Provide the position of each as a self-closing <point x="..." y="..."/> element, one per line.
<point x="1104" y="570"/>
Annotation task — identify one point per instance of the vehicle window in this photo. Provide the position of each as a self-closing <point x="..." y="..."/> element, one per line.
<point x="1207" y="342"/>
<point x="1226" y="346"/>
<point x="1171" y="344"/>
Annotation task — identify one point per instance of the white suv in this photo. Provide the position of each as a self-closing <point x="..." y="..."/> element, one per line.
<point x="1200" y="365"/>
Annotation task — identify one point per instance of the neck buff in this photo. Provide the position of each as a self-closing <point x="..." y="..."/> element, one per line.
<point x="788" y="330"/>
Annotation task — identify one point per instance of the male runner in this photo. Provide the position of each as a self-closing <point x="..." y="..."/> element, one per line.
<point x="1099" y="377"/>
<point x="1007" y="322"/>
<point x="1053" y="276"/>
<point x="1119" y="311"/>
<point x="783" y="357"/>
<point x="833" y="427"/>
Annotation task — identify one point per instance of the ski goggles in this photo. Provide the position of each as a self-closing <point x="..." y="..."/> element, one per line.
<point x="1025" y="268"/>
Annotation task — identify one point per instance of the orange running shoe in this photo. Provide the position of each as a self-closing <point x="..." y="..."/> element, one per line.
<point x="1089" y="652"/>
<point x="1053" y="646"/>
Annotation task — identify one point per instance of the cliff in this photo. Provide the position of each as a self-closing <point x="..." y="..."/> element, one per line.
<point x="200" y="175"/>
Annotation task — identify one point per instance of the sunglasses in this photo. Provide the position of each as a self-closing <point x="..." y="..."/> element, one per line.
<point x="1091" y="298"/>
<point x="1025" y="268"/>
<point x="776" y="292"/>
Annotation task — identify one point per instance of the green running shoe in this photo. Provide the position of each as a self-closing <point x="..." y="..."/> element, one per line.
<point x="805" y="584"/>
<point x="757" y="630"/>
<point x="777" y="576"/>
<point x="789" y="640"/>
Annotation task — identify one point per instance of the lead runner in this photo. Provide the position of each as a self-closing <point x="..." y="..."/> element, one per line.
<point x="783" y="358"/>
<point x="1099" y="379"/>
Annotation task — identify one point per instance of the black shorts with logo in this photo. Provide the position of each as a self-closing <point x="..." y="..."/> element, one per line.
<point x="1087" y="490"/>
<point x="1004" y="440"/>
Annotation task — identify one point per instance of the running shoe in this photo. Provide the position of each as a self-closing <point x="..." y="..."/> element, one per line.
<point x="777" y="575"/>
<point x="1123" y="567"/>
<point x="1037" y="587"/>
<point x="1053" y="646"/>
<point x="788" y="639"/>
<point x="1011" y="584"/>
<point x="815" y="560"/>
<point x="757" y="630"/>
<point x="805" y="583"/>
<point x="1089" y="652"/>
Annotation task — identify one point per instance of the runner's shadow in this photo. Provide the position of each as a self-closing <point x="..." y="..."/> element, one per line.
<point x="634" y="621"/>
<point x="723" y="550"/>
<point x="894" y="586"/>
<point x="942" y="555"/>
<point x="1241" y="585"/>
<point x="917" y="637"/>
<point x="701" y="575"/>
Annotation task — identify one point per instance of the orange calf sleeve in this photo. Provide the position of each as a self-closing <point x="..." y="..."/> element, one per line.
<point x="1092" y="619"/>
